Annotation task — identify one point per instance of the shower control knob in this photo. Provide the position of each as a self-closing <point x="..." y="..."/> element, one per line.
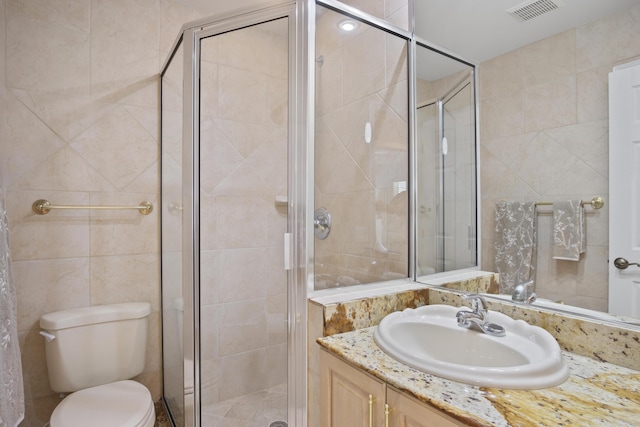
<point x="322" y="223"/>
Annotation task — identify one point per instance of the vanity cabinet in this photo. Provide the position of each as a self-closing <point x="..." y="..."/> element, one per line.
<point x="350" y="397"/>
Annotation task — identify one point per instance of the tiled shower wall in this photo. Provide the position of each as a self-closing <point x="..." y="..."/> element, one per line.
<point x="544" y="137"/>
<point x="79" y="89"/>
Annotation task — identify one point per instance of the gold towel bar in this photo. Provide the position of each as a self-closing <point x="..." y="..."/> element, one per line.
<point x="42" y="207"/>
<point x="596" y="203"/>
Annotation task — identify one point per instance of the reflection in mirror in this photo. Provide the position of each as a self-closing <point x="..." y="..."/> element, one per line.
<point x="544" y="131"/>
<point x="446" y="158"/>
<point x="361" y="153"/>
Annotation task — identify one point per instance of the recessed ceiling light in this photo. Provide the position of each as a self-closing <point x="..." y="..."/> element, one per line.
<point x="347" y="25"/>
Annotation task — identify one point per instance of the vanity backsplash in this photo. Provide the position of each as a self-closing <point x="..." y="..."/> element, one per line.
<point x="606" y="342"/>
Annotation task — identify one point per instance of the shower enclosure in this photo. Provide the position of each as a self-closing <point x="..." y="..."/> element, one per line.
<point x="267" y="115"/>
<point x="231" y="110"/>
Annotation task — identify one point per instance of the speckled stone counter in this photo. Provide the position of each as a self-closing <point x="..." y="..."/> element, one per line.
<point x="596" y="393"/>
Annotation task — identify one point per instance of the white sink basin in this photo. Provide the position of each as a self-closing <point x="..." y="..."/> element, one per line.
<point x="430" y="340"/>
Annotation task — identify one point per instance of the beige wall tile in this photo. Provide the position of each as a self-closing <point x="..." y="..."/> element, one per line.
<point x="210" y="382"/>
<point x="129" y="32"/>
<point x="395" y="59"/>
<point x="329" y="82"/>
<point x="58" y="234"/>
<point x="503" y="116"/>
<point x="237" y="373"/>
<point x="277" y="320"/>
<point x="551" y="104"/>
<point x="174" y="14"/>
<point x="38" y="34"/>
<point x="209" y="88"/>
<point x="46" y="286"/>
<point x="549" y="59"/>
<point x="208" y="223"/>
<point x="209" y="282"/>
<point x="364" y="65"/>
<point x="123" y="232"/>
<point x="501" y="76"/>
<point x="608" y="40"/>
<point x="65" y="170"/>
<point x="117" y="147"/>
<point x="27" y="141"/>
<point x="242" y="327"/>
<point x="588" y="141"/>
<point x="277" y="362"/>
<point x="542" y="163"/>
<point x="243" y="94"/>
<point x="125" y="278"/>
<point x="67" y="116"/>
<point x="209" y="326"/>
<point x="397" y="13"/>
<point x="241" y="274"/>
<point x="593" y="94"/>
<point x="218" y="154"/>
<point x="264" y="44"/>
<point x="241" y="221"/>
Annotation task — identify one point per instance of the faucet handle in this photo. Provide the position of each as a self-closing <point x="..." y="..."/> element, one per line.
<point x="523" y="293"/>
<point x="478" y="303"/>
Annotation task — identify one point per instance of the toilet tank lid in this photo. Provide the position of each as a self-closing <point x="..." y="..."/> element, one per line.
<point x="97" y="314"/>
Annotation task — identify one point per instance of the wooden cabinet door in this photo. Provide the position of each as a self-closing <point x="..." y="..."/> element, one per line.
<point x="349" y="397"/>
<point x="405" y="411"/>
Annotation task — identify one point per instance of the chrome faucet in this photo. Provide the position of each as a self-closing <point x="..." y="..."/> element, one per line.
<point x="523" y="293"/>
<point x="475" y="319"/>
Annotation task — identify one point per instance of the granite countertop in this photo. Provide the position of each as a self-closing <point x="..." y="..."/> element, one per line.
<point x="596" y="393"/>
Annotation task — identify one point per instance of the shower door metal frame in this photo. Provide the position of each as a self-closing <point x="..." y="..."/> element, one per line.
<point x="299" y="183"/>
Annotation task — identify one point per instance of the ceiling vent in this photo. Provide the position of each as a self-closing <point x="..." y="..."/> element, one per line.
<point x="533" y="8"/>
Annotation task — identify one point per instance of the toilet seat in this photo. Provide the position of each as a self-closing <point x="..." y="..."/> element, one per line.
<point x="122" y="403"/>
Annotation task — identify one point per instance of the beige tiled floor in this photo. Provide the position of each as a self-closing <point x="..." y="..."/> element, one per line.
<point x="257" y="409"/>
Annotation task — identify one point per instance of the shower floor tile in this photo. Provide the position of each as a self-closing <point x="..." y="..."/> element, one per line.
<point x="257" y="409"/>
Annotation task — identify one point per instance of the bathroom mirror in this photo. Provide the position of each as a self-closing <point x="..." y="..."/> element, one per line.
<point x="543" y="133"/>
<point x="446" y="157"/>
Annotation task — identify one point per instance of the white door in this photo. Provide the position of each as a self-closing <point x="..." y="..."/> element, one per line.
<point x="624" y="190"/>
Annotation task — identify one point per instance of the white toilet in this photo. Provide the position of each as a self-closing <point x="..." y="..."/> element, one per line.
<point x="92" y="353"/>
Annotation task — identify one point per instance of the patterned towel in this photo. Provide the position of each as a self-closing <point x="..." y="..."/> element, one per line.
<point x="569" y="236"/>
<point x="515" y="243"/>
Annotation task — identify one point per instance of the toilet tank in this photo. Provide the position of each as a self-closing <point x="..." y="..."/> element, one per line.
<point x="95" y="345"/>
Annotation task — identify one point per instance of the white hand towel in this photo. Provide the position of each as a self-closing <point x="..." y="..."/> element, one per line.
<point x="515" y="243"/>
<point x="569" y="234"/>
<point x="11" y="383"/>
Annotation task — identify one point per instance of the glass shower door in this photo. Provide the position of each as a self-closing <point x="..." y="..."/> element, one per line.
<point x="171" y="237"/>
<point x="233" y="94"/>
<point x="243" y="155"/>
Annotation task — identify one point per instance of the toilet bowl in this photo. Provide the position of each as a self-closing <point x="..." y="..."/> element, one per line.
<point x="93" y="353"/>
<point x="122" y="404"/>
